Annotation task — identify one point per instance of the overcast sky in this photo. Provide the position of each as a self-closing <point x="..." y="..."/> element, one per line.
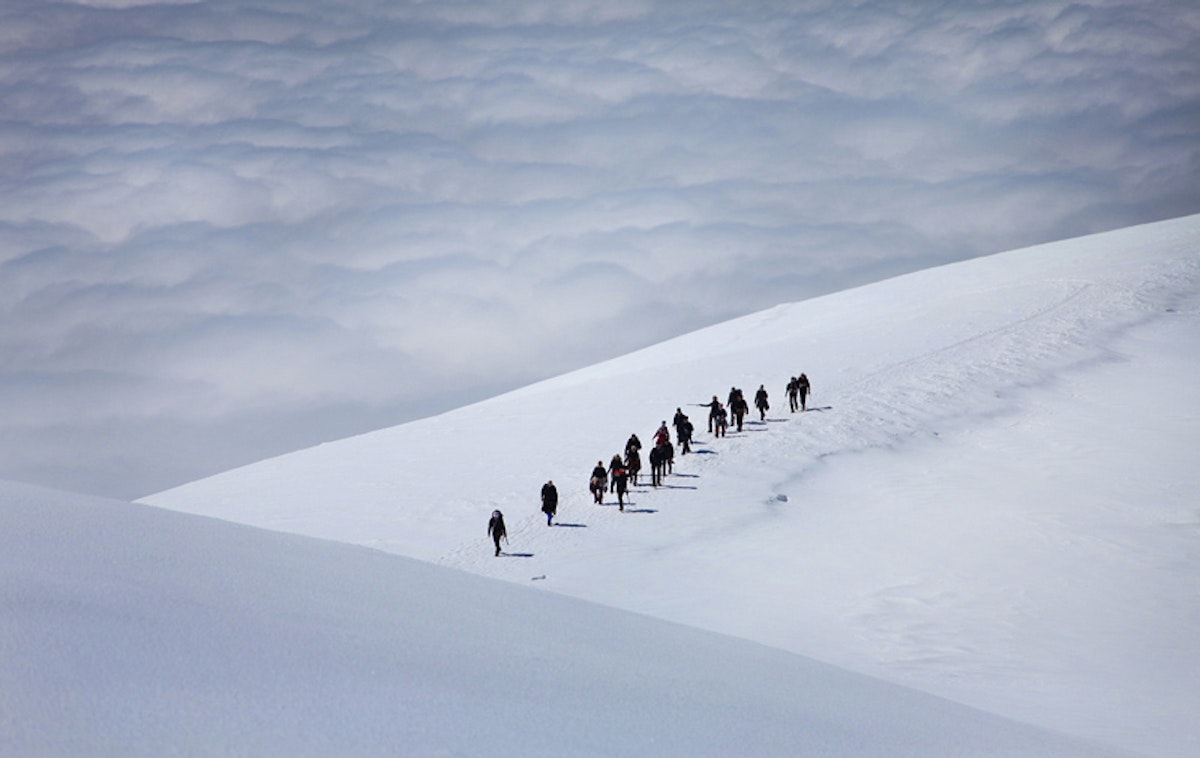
<point x="234" y="228"/>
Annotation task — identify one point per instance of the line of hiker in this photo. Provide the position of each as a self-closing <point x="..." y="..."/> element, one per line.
<point x="622" y="471"/>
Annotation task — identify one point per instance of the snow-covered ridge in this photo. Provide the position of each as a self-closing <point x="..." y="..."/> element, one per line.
<point x="890" y="359"/>
<point x="992" y="495"/>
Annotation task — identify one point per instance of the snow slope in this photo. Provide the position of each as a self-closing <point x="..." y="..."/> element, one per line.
<point x="129" y="630"/>
<point x="992" y="497"/>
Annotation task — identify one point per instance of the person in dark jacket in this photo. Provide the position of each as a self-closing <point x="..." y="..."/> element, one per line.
<point x="633" y="464"/>
<point x="633" y="444"/>
<point x="621" y="481"/>
<point x="803" y="387"/>
<point x="760" y="402"/>
<point x="738" y="407"/>
<point x="677" y="421"/>
<point x="712" y="411"/>
<point x="683" y="432"/>
<point x="656" y="465"/>
<point x="793" y="388"/>
<point x="496" y="529"/>
<point x="613" y="465"/>
<point x="598" y="482"/>
<point x="549" y="501"/>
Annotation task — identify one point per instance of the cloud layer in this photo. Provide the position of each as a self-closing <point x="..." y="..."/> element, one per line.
<point x="231" y="229"/>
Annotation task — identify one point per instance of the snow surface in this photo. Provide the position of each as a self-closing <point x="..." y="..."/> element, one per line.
<point x="129" y="630"/>
<point x="991" y="499"/>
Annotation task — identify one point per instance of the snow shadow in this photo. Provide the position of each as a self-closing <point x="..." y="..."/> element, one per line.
<point x="506" y="554"/>
<point x="641" y="510"/>
<point x="571" y="526"/>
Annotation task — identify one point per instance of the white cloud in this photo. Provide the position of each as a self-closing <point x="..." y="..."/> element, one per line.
<point x="215" y="210"/>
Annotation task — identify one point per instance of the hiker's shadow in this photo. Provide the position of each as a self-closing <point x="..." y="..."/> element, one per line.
<point x="506" y="554"/>
<point x="572" y="526"/>
<point x="641" y="510"/>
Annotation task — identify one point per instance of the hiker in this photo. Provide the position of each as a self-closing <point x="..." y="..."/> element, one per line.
<point x="760" y="402"/>
<point x="803" y="387"/>
<point x="633" y="464"/>
<point x="621" y="482"/>
<point x="738" y="407"/>
<point x="683" y="431"/>
<point x="663" y="434"/>
<point x="633" y="444"/>
<point x="598" y="482"/>
<point x="656" y="465"/>
<point x="677" y="420"/>
<point x="793" y="389"/>
<point x="712" y="411"/>
<point x="668" y="457"/>
<point x="721" y="423"/>
<point x="549" y="501"/>
<point x="613" y="465"/>
<point x="496" y="529"/>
